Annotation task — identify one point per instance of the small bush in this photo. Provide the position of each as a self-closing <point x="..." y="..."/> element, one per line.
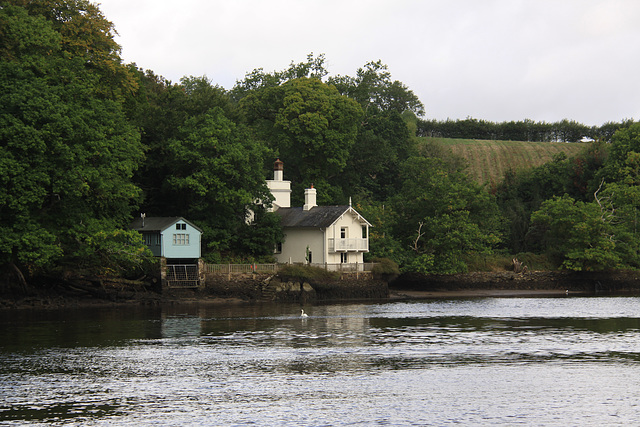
<point x="305" y="273"/>
<point x="385" y="267"/>
<point x="489" y="262"/>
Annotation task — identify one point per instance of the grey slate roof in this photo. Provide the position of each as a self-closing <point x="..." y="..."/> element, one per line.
<point x="316" y="217"/>
<point x="158" y="223"/>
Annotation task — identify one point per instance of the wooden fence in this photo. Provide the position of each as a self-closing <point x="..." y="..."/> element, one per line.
<point x="231" y="269"/>
<point x="241" y="268"/>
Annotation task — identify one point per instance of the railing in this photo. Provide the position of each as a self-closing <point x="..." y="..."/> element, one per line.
<point x="241" y="268"/>
<point x="339" y="245"/>
<point x="347" y="267"/>
<point x="229" y="269"/>
<point x="182" y="276"/>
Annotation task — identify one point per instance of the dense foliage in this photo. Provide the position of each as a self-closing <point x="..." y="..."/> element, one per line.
<point x="67" y="150"/>
<point x="525" y="130"/>
<point x="87" y="143"/>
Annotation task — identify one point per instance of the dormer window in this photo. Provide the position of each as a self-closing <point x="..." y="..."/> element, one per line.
<point x="181" y="226"/>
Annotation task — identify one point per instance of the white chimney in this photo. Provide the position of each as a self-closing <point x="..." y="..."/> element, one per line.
<point x="280" y="189"/>
<point x="309" y="198"/>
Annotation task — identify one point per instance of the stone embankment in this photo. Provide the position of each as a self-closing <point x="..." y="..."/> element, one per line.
<point x="273" y="288"/>
<point x="266" y="288"/>
<point x="583" y="282"/>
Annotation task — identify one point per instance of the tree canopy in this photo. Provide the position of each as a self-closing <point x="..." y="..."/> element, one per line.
<point x="308" y="123"/>
<point x="67" y="150"/>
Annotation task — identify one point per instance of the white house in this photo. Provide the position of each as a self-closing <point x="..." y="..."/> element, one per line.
<point x="169" y="237"/>
<point x="317" y="234"/>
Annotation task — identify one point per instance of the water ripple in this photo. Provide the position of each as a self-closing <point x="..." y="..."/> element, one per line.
<point x="487" y="361"/>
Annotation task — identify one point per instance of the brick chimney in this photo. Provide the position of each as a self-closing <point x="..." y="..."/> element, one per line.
<point x="278" y="170"/>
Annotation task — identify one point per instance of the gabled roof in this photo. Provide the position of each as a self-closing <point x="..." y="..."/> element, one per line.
<point x="316" y="217"/>
<point x="158" y="223"/>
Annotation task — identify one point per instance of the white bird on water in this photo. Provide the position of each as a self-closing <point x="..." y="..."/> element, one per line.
<point x="302" y="313"/>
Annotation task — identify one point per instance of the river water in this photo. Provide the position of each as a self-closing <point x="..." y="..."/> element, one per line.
<point x="484" y="361"/>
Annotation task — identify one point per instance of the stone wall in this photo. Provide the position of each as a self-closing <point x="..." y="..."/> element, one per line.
<point x="540" y="280"/>
<point x="266" y="287"/>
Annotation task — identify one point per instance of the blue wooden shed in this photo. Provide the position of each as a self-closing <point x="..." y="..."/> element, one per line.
<point x="169" y="237"/>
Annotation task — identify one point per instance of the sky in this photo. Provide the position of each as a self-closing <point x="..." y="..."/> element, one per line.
<point x="495" y="60"/>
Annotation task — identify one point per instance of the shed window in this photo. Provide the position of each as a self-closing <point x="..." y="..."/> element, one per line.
<point x="181" y="226"/>
<point x="151" y="239"/>
<point x="181" y="239"/>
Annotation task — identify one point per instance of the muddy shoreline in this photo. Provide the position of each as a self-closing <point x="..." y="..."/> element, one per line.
<point x="406" y="287"/>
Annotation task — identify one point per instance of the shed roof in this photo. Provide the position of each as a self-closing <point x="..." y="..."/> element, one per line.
<point x="158" y="223"/>
<point x="316" y="217"/>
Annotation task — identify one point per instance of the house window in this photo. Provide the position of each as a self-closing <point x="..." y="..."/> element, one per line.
<point x="181" y="239"/>
<point x="278" y="248"/>
<point x="343" y="232"/>
<point x="309" y="257"/>
<point x="364" y="231"/>
<point x="344" y="258"/>
<point x="181" y="226"/>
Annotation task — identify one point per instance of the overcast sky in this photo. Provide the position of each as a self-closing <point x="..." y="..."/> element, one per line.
<point x="497" y="60"/>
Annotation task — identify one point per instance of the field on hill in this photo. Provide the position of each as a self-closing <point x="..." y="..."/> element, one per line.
<point x="489" y="160"/>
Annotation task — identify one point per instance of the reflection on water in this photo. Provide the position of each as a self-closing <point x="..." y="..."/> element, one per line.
<point x="542" y="361"/>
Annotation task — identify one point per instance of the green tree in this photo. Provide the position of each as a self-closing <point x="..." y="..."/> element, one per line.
<point x="442" y="214"/>
<point x="313" y="67"/>
<point x="382" y="144"/>
<point x="520" y="194"/>
<point x="309" y="125"/>
<point x="67" y="152"/>
<point x="202" y="164"/>
<point x="160" y="110"/>
<point x="373" y="86"/>
<point x="382" y="241"/>
<point x="579" y="236"/>
<point x="214" y="179"/>
<point x="624" y="143"/>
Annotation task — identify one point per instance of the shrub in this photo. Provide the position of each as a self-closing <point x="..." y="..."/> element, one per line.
<point x="489" y="262"/>
<point x="385" y="268"/>
<point x="305" y="273"/>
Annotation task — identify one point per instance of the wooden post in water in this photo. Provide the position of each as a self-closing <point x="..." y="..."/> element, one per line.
<point x="202" y="274"/>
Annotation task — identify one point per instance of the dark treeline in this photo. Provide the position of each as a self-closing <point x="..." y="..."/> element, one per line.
<point x="87" y="143"/>
<point x="524" y="130"/>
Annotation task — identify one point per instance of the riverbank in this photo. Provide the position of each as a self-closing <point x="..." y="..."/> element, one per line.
<point x="481" y="293"/>
<point x="501" y="283"/>
<point x="405" y="287"/>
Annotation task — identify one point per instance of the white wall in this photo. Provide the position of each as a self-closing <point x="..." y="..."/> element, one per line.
<point x="296" y="241"/>
<point x="295" y="245"/>
<point x="354" y="231"/>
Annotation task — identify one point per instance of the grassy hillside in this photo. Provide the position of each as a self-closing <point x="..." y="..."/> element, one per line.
<point x="489" y="160"/>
